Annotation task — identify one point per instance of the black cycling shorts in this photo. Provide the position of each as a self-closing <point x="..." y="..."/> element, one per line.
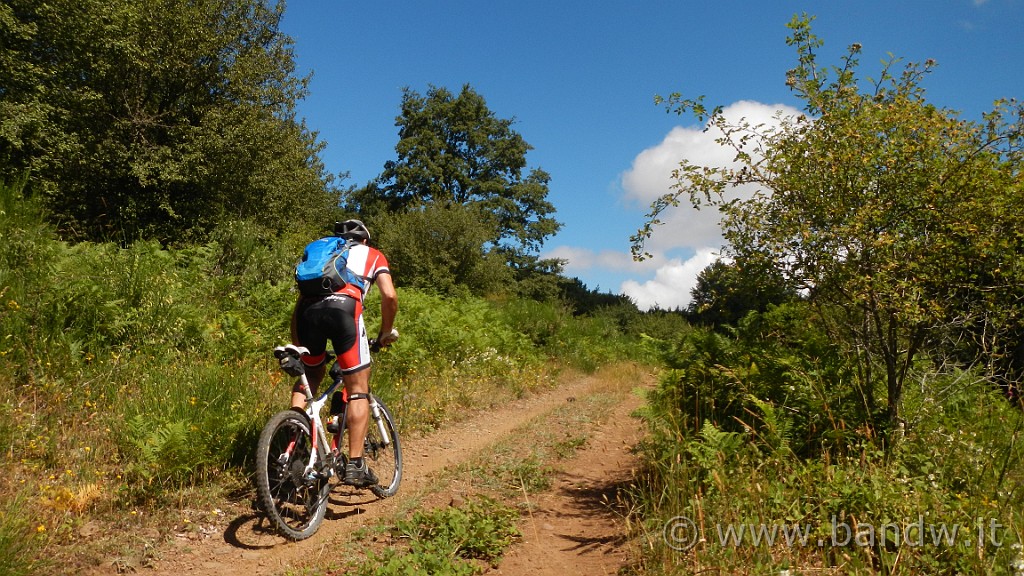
<point x="338" y="318"/>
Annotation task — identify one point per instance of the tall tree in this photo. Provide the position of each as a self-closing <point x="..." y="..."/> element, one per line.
<point x="898" y="217"/>
<point x="453" y="150"/>
<point x="157" y="119"/>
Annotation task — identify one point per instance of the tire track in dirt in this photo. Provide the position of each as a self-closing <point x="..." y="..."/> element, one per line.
<point x="578" y="527"/>
<point x="244" y="545"/>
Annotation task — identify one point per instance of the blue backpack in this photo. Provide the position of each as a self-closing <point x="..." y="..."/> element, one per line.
<point x="323" y="268"/>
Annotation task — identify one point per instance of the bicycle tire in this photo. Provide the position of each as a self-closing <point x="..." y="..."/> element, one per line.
<point x="295" y="505"/>
<point x="384" y="459"/>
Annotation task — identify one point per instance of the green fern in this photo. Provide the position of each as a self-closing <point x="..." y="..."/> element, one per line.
<point x="775" y="434"/>
<point x="166" y="453"/>
<point x="715" y="446"/>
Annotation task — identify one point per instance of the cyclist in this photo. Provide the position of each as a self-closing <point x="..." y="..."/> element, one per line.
<point x="338" y="317"/>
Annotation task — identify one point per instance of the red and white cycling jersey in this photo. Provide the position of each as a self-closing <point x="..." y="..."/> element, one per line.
<point x="368" y="263"/>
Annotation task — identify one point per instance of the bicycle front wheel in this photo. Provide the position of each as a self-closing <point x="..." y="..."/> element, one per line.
<point x="383" y="452"/>
<point x="293" y="501"/>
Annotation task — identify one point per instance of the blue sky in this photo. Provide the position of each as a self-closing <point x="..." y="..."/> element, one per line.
<point x="579" y="78"/>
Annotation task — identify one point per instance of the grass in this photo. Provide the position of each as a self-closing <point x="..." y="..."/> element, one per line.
<point x="454" y="540"/>
<point x="20" y="542"/>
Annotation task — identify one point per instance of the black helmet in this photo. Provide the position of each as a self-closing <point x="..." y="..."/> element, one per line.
<point x="354" y="229"/>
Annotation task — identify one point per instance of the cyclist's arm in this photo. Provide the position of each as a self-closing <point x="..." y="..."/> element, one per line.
<point x="388" y="302"/>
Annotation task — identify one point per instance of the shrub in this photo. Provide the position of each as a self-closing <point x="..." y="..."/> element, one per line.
<point x="466" y="334"/>
<point x="584" y="342"/>
<point x="28" y="253"/>
<point x="182" y="423"/>
<point x="777" y="365"/>
<point x="757" y="430"/>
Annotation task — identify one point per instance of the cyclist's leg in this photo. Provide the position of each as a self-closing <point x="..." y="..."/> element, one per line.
<point x="357" y="472"/>
<point x="358" y="386"/>
<point x="354" y="358"/>
<point x="311" y="321"/>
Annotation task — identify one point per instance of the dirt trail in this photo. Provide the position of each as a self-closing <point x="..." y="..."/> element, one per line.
<point x="570" y="531"/>
<point x="577" y="527"/>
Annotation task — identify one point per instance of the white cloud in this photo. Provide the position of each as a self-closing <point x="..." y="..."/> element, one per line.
<point x="583" y="259"/>
<point x="670" y="288"/>
<point x="650" y="177"/>
<point x="684" y="229"/>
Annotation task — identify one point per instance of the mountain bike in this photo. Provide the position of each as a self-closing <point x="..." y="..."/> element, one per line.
<point x="298" y="463"/>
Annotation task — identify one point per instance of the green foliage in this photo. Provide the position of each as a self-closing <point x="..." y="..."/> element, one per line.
<point x="778" y="378"/>
<point x="453" y="150"/>
<point x="141" y="329"/>
<point x="715" y="448"/>
<point x="28" y="253"/>
<point x="422" y="563"/>
<point x="480" y="529"/>
<point x="245" y="249"/>
<point x="536" y="279"/>
<point x="584" y="342"/>
<point x="774" y="429"/>
<point x="586" y="300"/>
<point x="541" y="322"/>
<point x="115" y="296"/>
<point x="441" y="249"/>
<point x="858" y="508"/>
<point x="654" y="324"/>
<point x="159" y="122"/>
<point x="165" y="451"/>
<point x="183" y="433"/>
<point x="753" y="430"/>
<point x="149" y="371"/>
<point x="447" y="540"/>
<point x="859" y="513"/>
<point x="461" y="333"/>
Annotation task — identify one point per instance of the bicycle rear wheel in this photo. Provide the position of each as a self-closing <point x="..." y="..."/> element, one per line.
<point x="294" y="502"/>
<point x="384" y="456"/>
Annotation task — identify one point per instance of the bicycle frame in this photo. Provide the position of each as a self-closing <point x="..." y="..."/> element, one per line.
<point x="314" y="406"/>
<point x="375" y="415"/>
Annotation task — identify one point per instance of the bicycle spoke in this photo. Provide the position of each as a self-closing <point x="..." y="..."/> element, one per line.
<point x="293" y="502"/>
